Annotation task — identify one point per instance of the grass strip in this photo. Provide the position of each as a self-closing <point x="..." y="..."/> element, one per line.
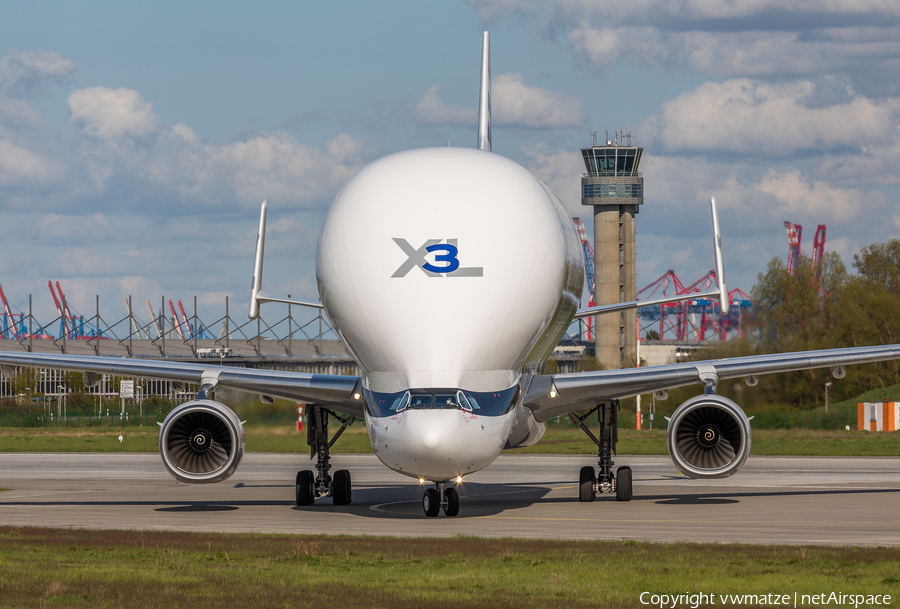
<point x="40" y="567"/>
<point x="786" y="442"/>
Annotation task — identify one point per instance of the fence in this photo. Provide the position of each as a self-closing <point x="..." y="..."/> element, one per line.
<point x="178" y="335"/>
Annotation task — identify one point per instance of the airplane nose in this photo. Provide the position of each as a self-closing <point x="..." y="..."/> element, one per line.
<point x="431" y="440"/>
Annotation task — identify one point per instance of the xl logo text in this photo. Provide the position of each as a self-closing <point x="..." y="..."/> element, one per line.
<point x="446" y="259"/>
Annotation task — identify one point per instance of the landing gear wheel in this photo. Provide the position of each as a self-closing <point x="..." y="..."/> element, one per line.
<point x="586" y="484"/>
<point x="341" y="490"/>
<point x="306" y="484"/>
<point x="431" y="502"/>
<point x="451" y="508"/>
<point x="623" y="484"/>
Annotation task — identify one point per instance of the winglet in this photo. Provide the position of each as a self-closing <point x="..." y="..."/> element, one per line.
<point x="258" y="262"/>
<point x="720" y="262"/>
<point x="484" y="96"/>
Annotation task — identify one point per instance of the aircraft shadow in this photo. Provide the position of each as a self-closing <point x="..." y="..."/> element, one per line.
<point x="405" y="501"/>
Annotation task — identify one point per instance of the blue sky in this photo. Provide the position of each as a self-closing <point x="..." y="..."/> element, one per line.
<point x="137" y="140"/>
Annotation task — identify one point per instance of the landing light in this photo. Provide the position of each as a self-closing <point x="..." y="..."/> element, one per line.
<point x="459" y="479"/>
<point x="356" y="396"/>
<point x="421" y="480"/>
<point x="553" y="393"/>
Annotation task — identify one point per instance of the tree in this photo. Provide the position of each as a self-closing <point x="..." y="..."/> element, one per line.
<point x="24" y="378"/>
<point x="879" y="264"/>
<point x="74" y="381"/>
<point x="25" y="381"/>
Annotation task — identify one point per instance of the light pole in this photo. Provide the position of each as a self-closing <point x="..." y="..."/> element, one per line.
<point x="827" y="386"/>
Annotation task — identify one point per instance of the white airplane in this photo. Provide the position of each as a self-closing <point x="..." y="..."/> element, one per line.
<point x="450" y="274"/>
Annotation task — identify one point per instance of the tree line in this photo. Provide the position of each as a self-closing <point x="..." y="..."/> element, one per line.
<point x="830" y="309"/>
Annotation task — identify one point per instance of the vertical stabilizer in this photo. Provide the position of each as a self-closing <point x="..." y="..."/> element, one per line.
<point x="484" y="96"/>
<point x="258" y="262"/>
<point x="720" y="262"/>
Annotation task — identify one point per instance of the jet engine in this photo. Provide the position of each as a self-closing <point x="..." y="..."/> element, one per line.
<point x="201" y="441"/>
<point x="709" y="437"/>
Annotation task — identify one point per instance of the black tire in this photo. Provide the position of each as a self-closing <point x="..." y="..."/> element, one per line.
<point x="623" y="484"/>
<point x="452" y="507"/>
<point x="341" y="490"/>
<point x="431" y="502"/>
<point x="586" y="484"/>
<point x="306" y="487"/>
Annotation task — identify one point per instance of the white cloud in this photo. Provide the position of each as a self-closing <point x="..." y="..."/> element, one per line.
<point x="122" y="154"/>
<point x="22" y="167"/>
<point x="743" y="115"/>
<point x="24" y="74"/>
<point x="513" y="103"/>
<point x="91" y="260"/>
<point x="57" y="226"/>
<point x="112" y="113"/>
<point x="659" y="10"/>
<point x="797" y="196"/>
<point x="724" y="37"/>
<point x="432" y="110"/>
<point x="520" y="104"/>
<point x="560" y="170"/>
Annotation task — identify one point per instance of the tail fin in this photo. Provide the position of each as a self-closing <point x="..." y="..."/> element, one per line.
<point x="720" y="262"/>
<point x="258" y="262"/>
<point x="484" y="96"/>
<point x="257" y="296"/>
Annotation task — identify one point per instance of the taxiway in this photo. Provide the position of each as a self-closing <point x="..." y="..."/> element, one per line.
<point x="847" y="501"/>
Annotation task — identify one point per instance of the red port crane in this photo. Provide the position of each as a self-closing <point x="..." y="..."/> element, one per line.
<point x="9" y="317"/>
<point x="64" y="328"/>
<point x="588" y="268"/>
<point x="175" y="320"/>
<point x="795" y="233"/>
<point x="186" y="324"/>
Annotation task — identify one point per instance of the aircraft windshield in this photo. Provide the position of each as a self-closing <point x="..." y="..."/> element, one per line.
<point x="490" y="403"/>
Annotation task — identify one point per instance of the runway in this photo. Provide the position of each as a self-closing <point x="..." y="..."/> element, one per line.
<point x="794" y="500"/>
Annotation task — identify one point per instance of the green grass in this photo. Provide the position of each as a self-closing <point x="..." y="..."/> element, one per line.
<point x="46" y="567"/>
<point x="284" y="439"/>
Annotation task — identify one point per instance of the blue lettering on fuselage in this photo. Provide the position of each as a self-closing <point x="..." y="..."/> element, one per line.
<point x="415" y="257"/>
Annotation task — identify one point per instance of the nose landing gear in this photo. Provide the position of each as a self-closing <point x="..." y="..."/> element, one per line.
<point x="589" y="485"/>
<point x="309" y="486"/>
<point x="439" y="498"/>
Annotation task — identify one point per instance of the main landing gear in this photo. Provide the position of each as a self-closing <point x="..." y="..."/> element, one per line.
<point x="312" y="486"/>
<point x="589" y="485"/>
<point x="439" y="498"/>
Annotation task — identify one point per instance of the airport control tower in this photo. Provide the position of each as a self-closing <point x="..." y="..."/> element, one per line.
<point x="615" y="189"/>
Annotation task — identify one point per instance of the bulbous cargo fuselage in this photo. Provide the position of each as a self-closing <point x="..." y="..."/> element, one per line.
<point x="451" y="269"/>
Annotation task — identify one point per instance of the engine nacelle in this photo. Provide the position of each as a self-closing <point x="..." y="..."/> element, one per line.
<point x="201" y="441"/>
<point x="709" y="437"/>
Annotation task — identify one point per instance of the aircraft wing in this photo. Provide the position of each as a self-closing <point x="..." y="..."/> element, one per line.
<point x="332" y="391"/>
<point x="581" y="390"/>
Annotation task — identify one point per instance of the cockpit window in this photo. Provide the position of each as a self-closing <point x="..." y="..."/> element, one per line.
<point x="420" y="400"/>
<point x="445" y="400"/>
<point x="481" y="403"/>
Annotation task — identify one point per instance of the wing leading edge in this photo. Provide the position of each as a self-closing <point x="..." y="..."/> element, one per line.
<point x="334" y="391"/>
<point x="580" y="390"/>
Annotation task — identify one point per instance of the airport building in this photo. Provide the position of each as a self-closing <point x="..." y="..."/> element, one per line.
<point x="614" y="187"/>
